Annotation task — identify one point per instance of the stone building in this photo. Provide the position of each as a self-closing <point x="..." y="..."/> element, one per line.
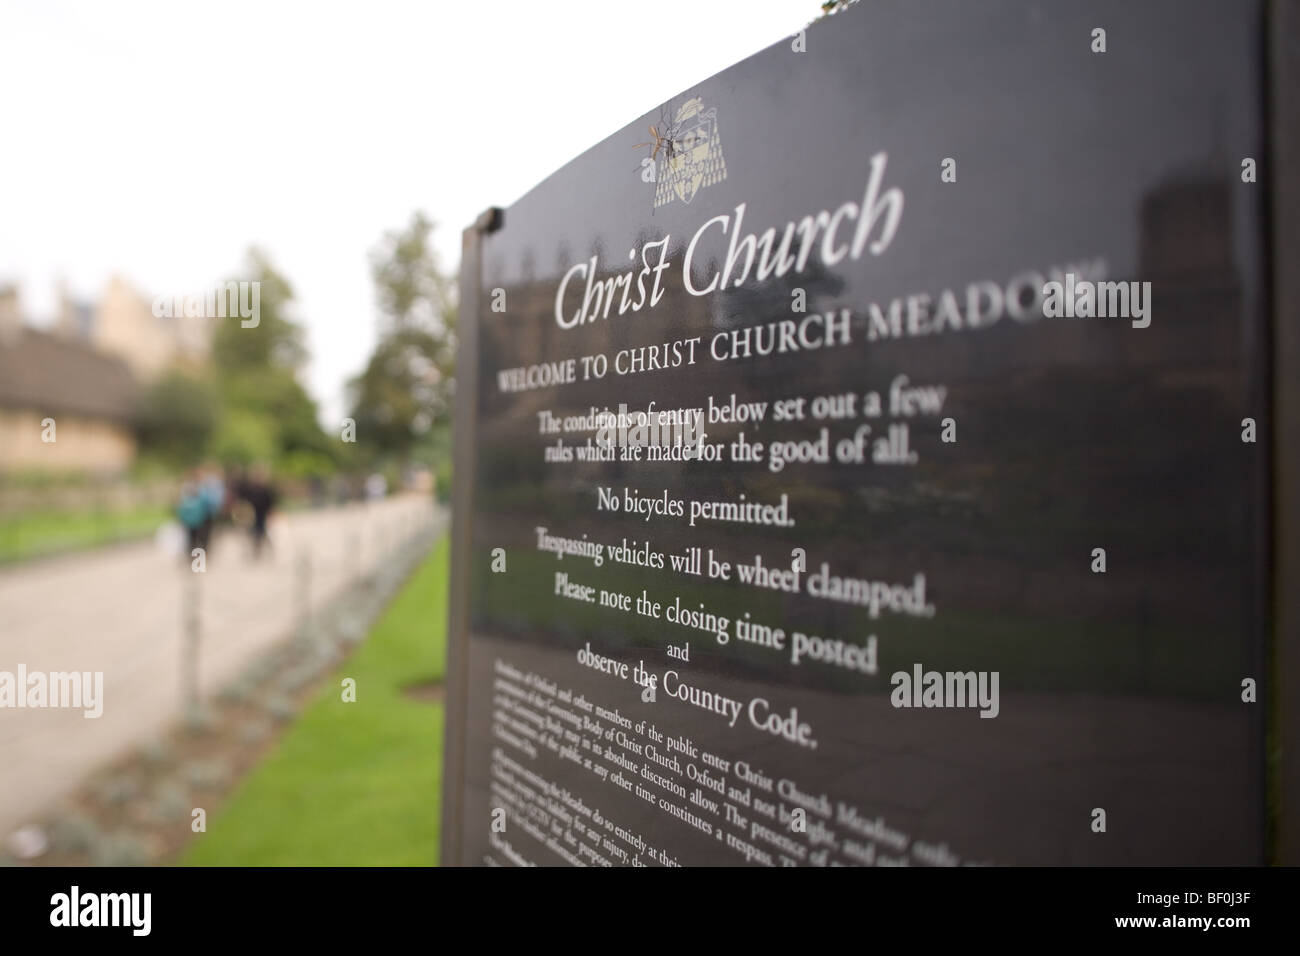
<point x="90" y="396"/>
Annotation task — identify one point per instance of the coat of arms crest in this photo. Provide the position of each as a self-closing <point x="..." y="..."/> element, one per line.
<point x="694" y="157"/>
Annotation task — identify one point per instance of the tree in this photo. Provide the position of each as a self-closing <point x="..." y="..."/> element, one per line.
<point x="175" y="418"/>
<point x="276" y="394"/>
<point x="832" y="7"/>
<point x="407" y="385"/>
<point x="410" y="288"/>
<point x="265" y="411"/>
<point x="275" y="342"/>
<point x="244" y="437"/>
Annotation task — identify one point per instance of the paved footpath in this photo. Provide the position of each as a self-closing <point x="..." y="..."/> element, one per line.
<point x="119" y="610"/>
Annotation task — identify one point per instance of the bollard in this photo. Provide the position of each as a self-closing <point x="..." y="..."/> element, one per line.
<point x="191" y="626"/>
<point x="303" y="581"/>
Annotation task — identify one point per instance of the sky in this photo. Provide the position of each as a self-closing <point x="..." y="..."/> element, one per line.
<point x="158" y="141"/>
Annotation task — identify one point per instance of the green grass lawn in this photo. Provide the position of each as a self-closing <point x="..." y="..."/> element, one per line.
<point x="35" y="533"/>
<point x="353" y="784"/>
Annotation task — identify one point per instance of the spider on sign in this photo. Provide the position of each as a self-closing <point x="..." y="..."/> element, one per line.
<point x="663" y="137"/>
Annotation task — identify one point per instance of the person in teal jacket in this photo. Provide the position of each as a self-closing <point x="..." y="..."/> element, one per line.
<point x="193" y="512"/>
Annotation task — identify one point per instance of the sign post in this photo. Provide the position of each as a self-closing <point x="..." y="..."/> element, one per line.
<point x="873" y="467"/>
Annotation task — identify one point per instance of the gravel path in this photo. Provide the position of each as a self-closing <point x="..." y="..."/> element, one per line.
<point x="119" y="610"/>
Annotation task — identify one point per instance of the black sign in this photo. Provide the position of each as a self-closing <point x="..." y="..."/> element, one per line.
<point x="862" y="459"/>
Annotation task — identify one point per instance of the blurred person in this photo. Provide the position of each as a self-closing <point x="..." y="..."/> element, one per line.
<point x="261" y="496"/>
<point x="317" y="491"/>
<point x="212" y="488"/>
<point x="236" y="507"/>
<point x="342" y="490"/>
<point x="376" y="487"/>
<point x="192" y="511"/>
